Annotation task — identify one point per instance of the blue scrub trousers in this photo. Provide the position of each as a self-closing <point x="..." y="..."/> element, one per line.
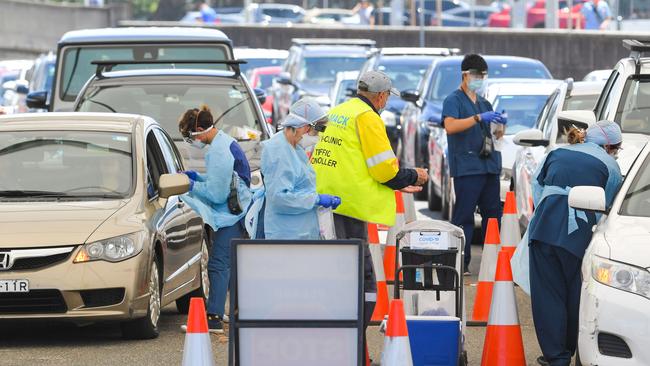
<point x="219" y="266"/>
<point x="482" y="190"/>
<point x="555" y="280"/>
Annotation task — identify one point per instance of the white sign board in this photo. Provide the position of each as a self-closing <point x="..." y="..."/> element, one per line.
<point x="433" y="240"/>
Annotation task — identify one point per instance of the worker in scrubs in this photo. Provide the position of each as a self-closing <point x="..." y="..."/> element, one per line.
<point x="559" y="235"/>
<point x="289" y="179"/>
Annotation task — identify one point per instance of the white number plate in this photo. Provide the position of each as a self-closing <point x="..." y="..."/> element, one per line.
<point x="14" y="286"/>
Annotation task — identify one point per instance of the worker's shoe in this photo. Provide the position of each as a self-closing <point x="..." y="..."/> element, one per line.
<point x="542" y="361"/>
<point x="215" y="324"/>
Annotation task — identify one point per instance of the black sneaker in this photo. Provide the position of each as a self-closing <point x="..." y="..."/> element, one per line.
<point x="215" y="324"/>
<point x="542" y="361"/>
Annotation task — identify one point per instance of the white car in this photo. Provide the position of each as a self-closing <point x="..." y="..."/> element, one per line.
<point x="547" y="134"/>
<point x="615" y="293"/>
<point x="344" y="87"/>
<point x="522" y="100"/>
<point x="598" y="75"/>
<point x="259" y="57"/>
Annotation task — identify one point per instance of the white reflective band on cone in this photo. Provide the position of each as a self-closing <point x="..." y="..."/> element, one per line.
<point x="488" y="267"/>
<point x="504" y="304"/>
<point x="377" y="262"/>
<point x="371" y="297"/>
<point x="197" y="350"/>
<point x="510" y="232"/>
<point x="397" y="352"/>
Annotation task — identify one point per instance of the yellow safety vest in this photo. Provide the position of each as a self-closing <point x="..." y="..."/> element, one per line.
<point x="342" y="170"/>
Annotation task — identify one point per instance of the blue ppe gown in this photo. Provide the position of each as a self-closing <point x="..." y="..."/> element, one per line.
<point x="290" y="181"/>
<point x="558" y="237"/>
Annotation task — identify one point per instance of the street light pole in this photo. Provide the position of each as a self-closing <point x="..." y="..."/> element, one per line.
<point x="421" y="23"/>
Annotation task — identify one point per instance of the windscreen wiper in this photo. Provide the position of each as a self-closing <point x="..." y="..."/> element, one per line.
<point x="32" y="193"/>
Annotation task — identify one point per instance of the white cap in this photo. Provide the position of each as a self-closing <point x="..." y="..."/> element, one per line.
<point x="306" y="111"/>
<point x="376" y="82"/>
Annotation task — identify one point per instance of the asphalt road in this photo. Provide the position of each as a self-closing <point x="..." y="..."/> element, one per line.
<point x="44" y="343"/>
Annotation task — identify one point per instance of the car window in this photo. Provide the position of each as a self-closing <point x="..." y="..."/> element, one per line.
<point x="606" y="94"/>
<point x="551" y="119"/>
<point x="155" y="164"/>
<point x="342" y="94"/>
<point x="522" y="110"/>
<point x="75" y="163"/>
<point x="231" y="104"/>
<point x="580" y="102"/>
<point x="77" y="67"/>
<point x="405" y="75"/>
<point x="323" y="69"/>
<point x="543" y="115"/>
<point x="254" y="63"/>
<point x="169" y="150"/>
<point x="637" y="198"/>
<point x="633" y="112"/>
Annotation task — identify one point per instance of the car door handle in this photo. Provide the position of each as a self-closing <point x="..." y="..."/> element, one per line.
<point x="180" y="204"/>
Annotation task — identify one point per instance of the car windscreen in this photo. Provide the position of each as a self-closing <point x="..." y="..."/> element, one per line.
<point x="634" y="109"/>
<point x="405" y="74"/>
<point x="282" y="13"/>
<point x="77" y="67"/>
<point x="637" y="197"/>
<point x="231" y="104"/>
<point x="580" y="102"/>
<point x="65" y="164"/>
<point x="322" y="70"/>
<point x="447" y="78"/>
<point x="522" y="110"/>
<point x="254" y="63"/>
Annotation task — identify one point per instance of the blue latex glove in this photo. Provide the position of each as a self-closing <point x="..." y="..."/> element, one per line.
<point x="503" y="117"/>
<point x="327" y="200"/>
<point x="487" y="117"/>
<point x="192" y="174"/>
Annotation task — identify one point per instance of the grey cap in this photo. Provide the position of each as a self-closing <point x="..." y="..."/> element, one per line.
<point x="376" y="82"/>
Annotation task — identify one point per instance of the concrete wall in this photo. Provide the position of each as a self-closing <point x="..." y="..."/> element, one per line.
<point x="28" y="28"/>
<point x="565" y="53"/>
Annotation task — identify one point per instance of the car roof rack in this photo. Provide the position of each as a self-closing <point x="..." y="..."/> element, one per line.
<point x="333" y="42"/>
<point x="637" y="49"/>
<point x="107" y="65"/>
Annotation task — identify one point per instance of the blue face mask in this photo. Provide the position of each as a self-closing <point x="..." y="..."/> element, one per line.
<point x="475" y="84"/>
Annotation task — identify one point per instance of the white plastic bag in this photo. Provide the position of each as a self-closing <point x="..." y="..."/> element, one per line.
<point x="326" y="223"/>
<point x="520" y="264"/>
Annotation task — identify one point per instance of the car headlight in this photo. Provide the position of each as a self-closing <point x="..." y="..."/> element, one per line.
<point x="621" y="276"/>
<point x="506" y="174"/>
<point x="114" y="249"/>
<point x="389" y="118"/>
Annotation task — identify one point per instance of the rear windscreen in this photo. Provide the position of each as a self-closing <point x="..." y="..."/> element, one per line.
<point x="77" y="68"/>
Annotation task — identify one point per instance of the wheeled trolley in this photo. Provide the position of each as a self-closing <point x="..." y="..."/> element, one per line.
<point x="429" y="278"/>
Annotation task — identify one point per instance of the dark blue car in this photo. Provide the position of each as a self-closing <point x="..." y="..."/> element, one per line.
<point x="422" y="117"/>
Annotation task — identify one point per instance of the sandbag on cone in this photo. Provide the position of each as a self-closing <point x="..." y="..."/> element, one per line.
<point x="397" y="349"/>
<point x="410" y="214"/>
<point x="198" y="347"/>
<point x="381" y="306"/>
<point x="503" y="344"/>
<point x="510" y="231"/>
<point x="390" y="251"/>
<point x="486" y="273"/>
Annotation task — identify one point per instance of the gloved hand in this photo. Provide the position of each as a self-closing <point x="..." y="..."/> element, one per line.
<point x="487" y="117"/>
<point x="192" y="174"/>
<point x="327" y="200"/>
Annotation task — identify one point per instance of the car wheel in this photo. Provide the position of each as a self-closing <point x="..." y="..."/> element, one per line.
<point x="434" y="202"/>
<point x="147" y="327"/>
<point x="183" y="303"/>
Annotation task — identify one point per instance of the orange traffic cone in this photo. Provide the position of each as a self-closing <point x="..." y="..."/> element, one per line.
<point x="381" y="306"/>
<point x="503" y="344"/>
<point x="390" y="251"/>
<point x="198" y="348"/>
<point x="486" y="272"/>
<point x="510" y="232"/>
<point x="397" y="349"/>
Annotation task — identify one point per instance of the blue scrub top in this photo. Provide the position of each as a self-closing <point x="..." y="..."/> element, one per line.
<point x="595" y="15"/>
<point x="464" y="147"/>
<point x="575" y="165"/>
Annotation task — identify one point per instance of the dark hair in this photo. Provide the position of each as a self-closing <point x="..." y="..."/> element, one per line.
<point x="473" y="62"/>
<point x="575" y="136"/>
<point x="194" y="118"/>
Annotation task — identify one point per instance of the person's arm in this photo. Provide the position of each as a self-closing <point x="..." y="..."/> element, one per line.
<point x="457" y="125"/>
<point x="215" y="185"/>
<point x="371" y="16"/>
<point x="607" y="17"/>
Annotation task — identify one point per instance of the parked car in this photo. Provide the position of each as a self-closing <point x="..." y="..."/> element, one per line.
<point x="345" y="87"/>
<point x="262" y="78"/>
<point x="422" y="115"/>
<point x="536" y="15"/>
<point x="406" y="67"/>
<point x="615" y="291"/>
<point x="165" y="94"/>
<point x="327" y="16"/>
<point x="13" y="66"/>
<point x="259" y="57"/>
<point x="15" y="88"/>
<point x="551" y="129"/>
<point x="270" y="13"/>
<point x="462" y="17"/>
<point x="311" y="67"/>
<point x="598" y="75"/>
<point x="93" y="227"/>
<point x="77" y="49"/>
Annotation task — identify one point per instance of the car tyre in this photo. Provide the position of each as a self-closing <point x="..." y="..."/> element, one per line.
<point x="147" y="327"/>
<point x="434" y="202"/>
<point x="183" y="303"/>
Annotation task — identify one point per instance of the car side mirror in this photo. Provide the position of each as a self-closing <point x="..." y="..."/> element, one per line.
<point x="588" y="198"/>
<point x="284" y="78"/>
<point x="173" y="185"/>
<point x="260" y="94"/>
<point x="22" y="89"/>
<point x="411" y="95"/>
<point x="37" y="100"/>
<point x="533" y="137"/>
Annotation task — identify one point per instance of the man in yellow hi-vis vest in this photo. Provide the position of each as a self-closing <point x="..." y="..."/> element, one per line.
<point x="354" y="160"/>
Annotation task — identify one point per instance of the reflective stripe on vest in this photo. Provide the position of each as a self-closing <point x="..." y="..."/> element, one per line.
<point x="342" y="170"/>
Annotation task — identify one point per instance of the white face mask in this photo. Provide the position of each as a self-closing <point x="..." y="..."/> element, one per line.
<point x="198" y="144"/>
<point x="308" y="141"/>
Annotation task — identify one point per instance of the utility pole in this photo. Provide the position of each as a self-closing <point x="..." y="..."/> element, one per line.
<point x="397" y="12"/>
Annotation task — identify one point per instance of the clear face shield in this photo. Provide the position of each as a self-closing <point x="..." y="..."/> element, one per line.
<point x="476" y="79"/>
